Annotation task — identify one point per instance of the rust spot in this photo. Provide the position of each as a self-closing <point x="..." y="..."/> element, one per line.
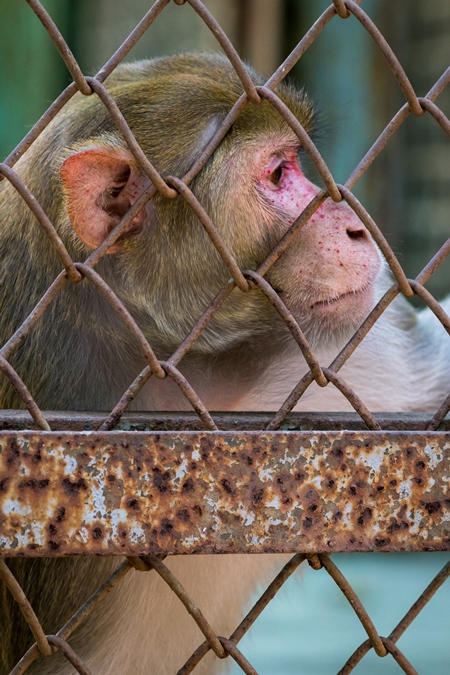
<point x="337" y="452"/>
<point x="74" y="487"/>
<point x="257" y="495"/>
<point x="188" y="485"/>
<point x="34" y="484"/>
<point x="161" y="480"/>
<point x="166" y="526"/>
<point x="365" y="516"/>
<point x="308" y="476"/>
<point x="433" y="507"/>
<point x="37" y="456"/>
<point x="227" y="486"/>
<point x="60" y="513"/>
<point x="395" y="526"/>
<point x="12" y="451"/>
<point x="183" y="514"/>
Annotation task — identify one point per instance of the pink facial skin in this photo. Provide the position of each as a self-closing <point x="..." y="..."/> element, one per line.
<point x="334" y="257"/>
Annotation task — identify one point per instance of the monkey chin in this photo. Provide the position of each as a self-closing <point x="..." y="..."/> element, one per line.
<point x="350" y="302"/>
<point x="330" y="322"/>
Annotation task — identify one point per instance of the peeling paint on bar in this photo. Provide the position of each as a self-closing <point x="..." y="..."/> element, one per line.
<point x="169" y="492"/>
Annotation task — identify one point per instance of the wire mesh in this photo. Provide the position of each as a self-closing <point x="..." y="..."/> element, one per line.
<point x="171" y="187"/>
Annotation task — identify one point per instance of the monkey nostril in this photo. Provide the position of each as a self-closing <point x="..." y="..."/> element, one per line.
<point x="357" y="233"/>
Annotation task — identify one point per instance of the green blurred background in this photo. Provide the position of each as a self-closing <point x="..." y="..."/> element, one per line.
<point x="309" y="629"/>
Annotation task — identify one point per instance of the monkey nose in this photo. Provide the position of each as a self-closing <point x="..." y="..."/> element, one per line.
<point x="357" y="231"/>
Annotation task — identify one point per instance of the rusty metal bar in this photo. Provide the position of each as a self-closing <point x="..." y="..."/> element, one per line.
<point x="303" y="492"/>
<point x="19" y="420"/>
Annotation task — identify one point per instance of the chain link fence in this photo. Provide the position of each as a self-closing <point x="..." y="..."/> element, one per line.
<point x="58" y="438"/>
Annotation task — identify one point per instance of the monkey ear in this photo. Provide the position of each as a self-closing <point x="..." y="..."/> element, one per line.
<point x="101" y="185"/>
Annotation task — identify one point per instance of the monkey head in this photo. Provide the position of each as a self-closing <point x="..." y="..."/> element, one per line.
<point x="164" y="267"/>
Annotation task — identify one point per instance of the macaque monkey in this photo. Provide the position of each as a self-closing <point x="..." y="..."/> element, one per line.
<point x="80" y="356"/>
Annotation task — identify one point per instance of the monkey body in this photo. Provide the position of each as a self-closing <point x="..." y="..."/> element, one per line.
<point x="165" y="270"/>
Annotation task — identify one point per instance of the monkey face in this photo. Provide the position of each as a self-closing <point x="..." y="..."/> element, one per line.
<point x="328" y="274"/>
<point x="253" y="188"/>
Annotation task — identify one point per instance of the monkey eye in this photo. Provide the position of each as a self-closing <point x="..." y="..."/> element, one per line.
<point x="275" y="176"/>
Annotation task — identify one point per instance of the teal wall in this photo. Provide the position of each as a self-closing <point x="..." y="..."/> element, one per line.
<point x="309" y="628"/>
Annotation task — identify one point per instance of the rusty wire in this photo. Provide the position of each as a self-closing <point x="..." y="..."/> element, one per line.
<point x="174" y="187"/>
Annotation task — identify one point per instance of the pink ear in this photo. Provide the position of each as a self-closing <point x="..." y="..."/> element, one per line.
<point x="100" y="187"/>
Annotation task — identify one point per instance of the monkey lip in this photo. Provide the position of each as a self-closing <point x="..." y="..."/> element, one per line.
<point x="334" y="301"/>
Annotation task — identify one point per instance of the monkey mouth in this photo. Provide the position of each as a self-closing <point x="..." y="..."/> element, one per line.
<point x="335" y="300"/>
